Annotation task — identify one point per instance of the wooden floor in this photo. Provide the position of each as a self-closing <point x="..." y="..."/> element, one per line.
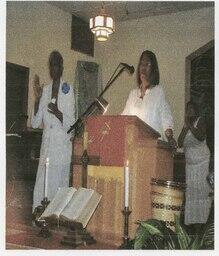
<point x="20" y="233"/>
<point x="26" y="237"/>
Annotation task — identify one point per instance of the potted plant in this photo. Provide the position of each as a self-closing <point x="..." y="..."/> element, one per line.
<point x="154" y="234"/>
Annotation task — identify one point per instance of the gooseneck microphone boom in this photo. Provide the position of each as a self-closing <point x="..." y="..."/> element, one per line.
<point x="78" y="125"/>
<point x="131" y="69"/>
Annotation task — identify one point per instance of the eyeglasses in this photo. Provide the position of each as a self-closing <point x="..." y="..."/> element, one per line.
<point x="146" y="64"/>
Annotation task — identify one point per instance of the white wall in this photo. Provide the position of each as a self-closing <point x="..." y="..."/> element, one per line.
<point x="34" y="29"/>
<point x="172" y="38"/>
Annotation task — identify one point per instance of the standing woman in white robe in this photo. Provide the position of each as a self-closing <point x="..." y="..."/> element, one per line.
<point x="148" y="101"/>
<point x="55" y="109"/>
<point x="197" y="155"/>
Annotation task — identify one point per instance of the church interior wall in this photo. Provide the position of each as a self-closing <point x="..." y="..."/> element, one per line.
<point x="172" y="38"/>
<point x="34" y="29"/>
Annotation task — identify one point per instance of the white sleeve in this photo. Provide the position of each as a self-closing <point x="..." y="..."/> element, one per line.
<point x="126" y="110"/>
<point x="37" y="119"/>
<point x="165" y="112"/>
<point x="69" y="110"/>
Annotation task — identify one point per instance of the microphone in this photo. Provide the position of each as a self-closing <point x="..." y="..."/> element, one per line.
<point x="131" y="69"/>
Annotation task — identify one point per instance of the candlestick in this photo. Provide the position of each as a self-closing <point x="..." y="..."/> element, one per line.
<point x="44" y="232"/>
<point x="46" y="177"/>
<point x="126" y="212"/>
<point x="126" y="174"/>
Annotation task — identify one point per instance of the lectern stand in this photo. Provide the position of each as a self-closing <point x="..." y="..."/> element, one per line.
<point x="114" y="140"/>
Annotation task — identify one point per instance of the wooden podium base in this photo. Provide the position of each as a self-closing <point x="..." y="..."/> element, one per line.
<point x="112" y="140"/>
<point x="76" y="237"/>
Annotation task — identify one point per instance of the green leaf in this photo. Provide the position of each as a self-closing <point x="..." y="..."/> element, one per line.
<point x="153" y="230"/>
<point x="183" y="238"/>
<point x="171" y="240"/>
<point x="148" y="233"/>
<point x="154" y="234"/>
<point x="207" y="241"/>
<point x="157" y="242"/>
<point x="195" y="244"/>
<point x="158" y="224"/>
<point x="141" y="236"/>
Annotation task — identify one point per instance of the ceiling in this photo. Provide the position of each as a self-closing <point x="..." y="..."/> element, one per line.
<point x="127" y="10"/>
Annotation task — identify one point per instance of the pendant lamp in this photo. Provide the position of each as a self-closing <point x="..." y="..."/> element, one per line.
<point x="102" y="25"/>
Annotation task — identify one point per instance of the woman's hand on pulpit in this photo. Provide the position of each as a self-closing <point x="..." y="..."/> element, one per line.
<point x="172" y="142"/>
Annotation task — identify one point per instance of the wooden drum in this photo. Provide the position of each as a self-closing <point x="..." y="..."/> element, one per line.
<point x="167" y="199"/>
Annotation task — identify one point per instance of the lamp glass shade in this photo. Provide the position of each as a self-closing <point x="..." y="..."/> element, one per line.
<point x="109" y="22"/>
<point x="101" y="38"/>
<point x="102" y="35"/>
<point x="102" y="26"/>
<point x="99" y="21"/>
<point x="91" y="23"/>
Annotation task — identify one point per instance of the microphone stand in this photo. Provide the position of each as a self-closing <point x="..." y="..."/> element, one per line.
<point x="78" y="125"/>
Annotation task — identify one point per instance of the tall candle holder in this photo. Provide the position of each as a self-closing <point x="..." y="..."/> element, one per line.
<point x="44" y="232"/>
<point x="126" y="212"/>
<point x="45" y="203"/>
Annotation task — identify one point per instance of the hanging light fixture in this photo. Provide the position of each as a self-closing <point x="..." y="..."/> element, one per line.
<point x="102" y="25"/>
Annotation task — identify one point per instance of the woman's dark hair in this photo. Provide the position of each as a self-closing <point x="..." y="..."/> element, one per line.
<point x="194" y="105"/>
<point x="56" y="57"/>
<point x="155" y="75"/>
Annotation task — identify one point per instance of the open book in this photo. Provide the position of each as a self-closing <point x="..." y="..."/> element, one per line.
<point x="72" y="205"/>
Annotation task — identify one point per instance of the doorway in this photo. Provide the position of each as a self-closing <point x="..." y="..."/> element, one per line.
<point x="18" y="190"/>
<point x="200" y="86"/>
<point x="17" y="79"/>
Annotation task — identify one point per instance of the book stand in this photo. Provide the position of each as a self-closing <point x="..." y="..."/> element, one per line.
<point x="77" y="235"/>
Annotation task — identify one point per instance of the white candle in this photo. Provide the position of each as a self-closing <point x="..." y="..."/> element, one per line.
<point x="126" y="174"/>
<point x="46" y="177"/>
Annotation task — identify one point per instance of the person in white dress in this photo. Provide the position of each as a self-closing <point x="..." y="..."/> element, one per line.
<point x="54" y="108"/>
<point x="197" y="155"/>
<point x="148" y="101"/>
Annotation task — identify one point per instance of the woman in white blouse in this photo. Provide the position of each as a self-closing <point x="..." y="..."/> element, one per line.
<point x="148" y="101"/>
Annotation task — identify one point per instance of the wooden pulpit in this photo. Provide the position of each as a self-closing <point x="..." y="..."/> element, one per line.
<point x="110" y="141"/>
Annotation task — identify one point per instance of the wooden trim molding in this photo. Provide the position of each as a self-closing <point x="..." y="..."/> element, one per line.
<point x="188" y="62"/>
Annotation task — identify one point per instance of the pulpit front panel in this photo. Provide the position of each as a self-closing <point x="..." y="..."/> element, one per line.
<point x="106" y="139"/>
